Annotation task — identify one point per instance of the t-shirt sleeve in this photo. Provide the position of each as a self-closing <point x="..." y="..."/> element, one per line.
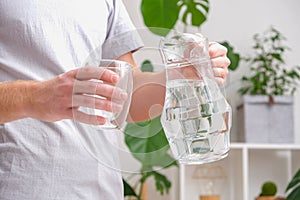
<point x="122" y="37"/>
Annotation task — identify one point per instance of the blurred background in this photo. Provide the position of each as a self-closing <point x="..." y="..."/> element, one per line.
<point x="249" y="164"/>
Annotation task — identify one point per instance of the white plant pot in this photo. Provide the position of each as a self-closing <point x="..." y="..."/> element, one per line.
<point x="262" y="122"/>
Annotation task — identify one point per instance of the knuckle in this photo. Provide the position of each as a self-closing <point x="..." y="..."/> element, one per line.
<point x="107" y="90"/>
<point x="224" y="49"/>
<point x="227" y="62"/>
<point x="68" y="75"/>
<point x="90" y="86"/>
<point x="87" y="69"/>
<point x="221" y="48"/>
<point x="66" y="87"/>
<point x="108" y="105"/>
<point x="86" y="101"/>
<point x="226" y="72"/>
<point x="100" y="71"/>
<point x="65" y="81"/>
<point x="103" y="104"/>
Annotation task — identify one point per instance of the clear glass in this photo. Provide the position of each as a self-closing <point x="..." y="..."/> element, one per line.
<point x="101" y="141"/>
<point x="115" y="118"/>
<point x="196" y="117"/>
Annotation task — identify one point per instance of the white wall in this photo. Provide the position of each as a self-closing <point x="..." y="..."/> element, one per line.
<point x="237" y="21"/>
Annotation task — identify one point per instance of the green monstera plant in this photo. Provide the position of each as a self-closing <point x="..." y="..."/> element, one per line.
<point x="160" y="16"/>
<point x="148" y="144"/>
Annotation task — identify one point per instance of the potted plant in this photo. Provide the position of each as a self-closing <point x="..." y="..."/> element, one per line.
<point x="268" y="191"/>
<point x="267" y="109"/>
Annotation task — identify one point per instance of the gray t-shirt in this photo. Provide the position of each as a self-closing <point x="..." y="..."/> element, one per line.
<point x="65" y="160"/>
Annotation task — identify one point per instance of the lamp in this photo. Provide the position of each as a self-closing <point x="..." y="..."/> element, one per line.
<point x="211" y="180"/>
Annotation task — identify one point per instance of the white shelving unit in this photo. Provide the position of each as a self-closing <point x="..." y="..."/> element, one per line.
<point x="247" y="167"/>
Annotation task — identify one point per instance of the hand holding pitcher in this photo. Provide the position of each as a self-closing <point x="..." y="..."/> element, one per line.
<point x="196" y="116"/>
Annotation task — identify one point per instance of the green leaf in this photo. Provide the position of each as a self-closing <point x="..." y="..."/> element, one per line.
<point x="277" y="56"/>
<point x="205" y="5"/>
<point x="160" y="16"/>
<point x="128" y="190"/>
<point x="197" y="17"/>
<point x="197" y="10"/>
<point x="148" y="144"/>
<point x="295" y="194"/>
<point x="147" y="66"/>
<point x="295" y="180"/>
<point x="162" y="183"/>
<point x="268" y="73"/>
<point x="233" y="56"/>
<point x="244" y="90"/>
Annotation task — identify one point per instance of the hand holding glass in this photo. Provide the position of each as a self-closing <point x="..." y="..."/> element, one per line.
<point x="117" y="95"/>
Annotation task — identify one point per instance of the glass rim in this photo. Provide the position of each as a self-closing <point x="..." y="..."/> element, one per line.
<point x="123" y="64"/>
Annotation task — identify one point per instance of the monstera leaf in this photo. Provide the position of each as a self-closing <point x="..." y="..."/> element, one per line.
<point x="196" y="9"/>
<point x="148" y="144"/>
<point x="160" y="16"/>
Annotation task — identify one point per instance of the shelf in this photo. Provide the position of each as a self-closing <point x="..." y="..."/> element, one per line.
<point x="248" y="166"/>
<point x="265" y="146"/>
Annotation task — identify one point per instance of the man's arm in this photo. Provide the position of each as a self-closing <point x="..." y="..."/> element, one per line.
<point x="148" y="92"/>
<point x="58" y="98"/>
<point x="149" y="88"/>
<point x="15" y="99"/>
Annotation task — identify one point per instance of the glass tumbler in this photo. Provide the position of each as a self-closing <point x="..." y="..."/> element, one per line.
<point x="115" y="118"/>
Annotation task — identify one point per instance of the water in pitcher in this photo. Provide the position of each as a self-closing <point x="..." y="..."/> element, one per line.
<point x="196" y="117"/>
<point x="197" y="121"/>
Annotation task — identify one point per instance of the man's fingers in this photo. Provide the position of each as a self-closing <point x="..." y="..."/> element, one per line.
<point x="220" y="81"/>
<point x="98" y="73"/>
<point x="216" y="50"/>
<point x="95" y="103"/>
<point x="220" y="62"/>
<point x="220" y="72"/>
<point x="100" y="89"/>
<point x="88" y="119"/>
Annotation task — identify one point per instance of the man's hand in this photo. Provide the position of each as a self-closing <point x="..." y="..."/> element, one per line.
<point x="219" y="61"/>
<point x="60" y="98"/>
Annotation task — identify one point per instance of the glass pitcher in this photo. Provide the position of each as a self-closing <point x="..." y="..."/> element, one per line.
<point x="196" y="117"/>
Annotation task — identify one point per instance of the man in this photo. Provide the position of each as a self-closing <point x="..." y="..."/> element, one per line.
<point x="43" y="148"/>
